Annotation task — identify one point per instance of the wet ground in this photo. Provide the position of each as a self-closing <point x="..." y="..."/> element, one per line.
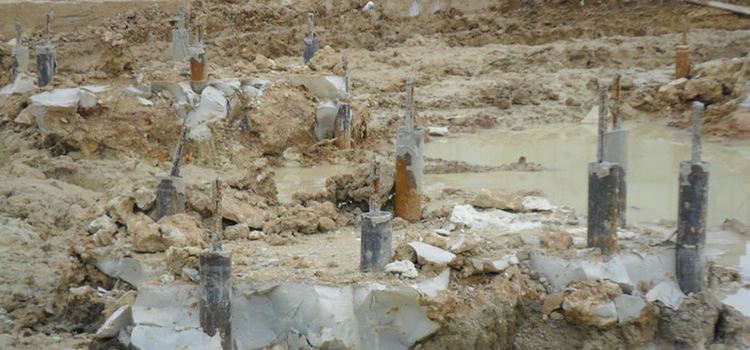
<point x="654" y="154"/>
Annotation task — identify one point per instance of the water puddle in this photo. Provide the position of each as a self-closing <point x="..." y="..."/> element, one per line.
<point x="654" y="151"/>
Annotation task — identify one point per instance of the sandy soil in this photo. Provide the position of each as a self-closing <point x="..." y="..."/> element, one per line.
<point x="487" y="64"/>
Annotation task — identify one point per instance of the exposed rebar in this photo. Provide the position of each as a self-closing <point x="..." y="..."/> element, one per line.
<point x="616" y="102"/>
<point x="345" y="60"/>
<point x="181" y="17"/>
<point x="177" y="157"/>
<point x="311" y="25"/>
<point x="18" y="34"/>
<point x="697" y="131"/>
<point x="218" y="234"/>
<point x="410" y="102"/>
<point x="600" y="152"/>
<point x="374" y="198"/>
<point x="47" y="30"/>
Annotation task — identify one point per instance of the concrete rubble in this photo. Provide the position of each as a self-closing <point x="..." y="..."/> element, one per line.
<point x="303" y="316"/>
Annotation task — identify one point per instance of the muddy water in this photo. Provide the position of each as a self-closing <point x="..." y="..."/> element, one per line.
<point x="654" y="151"/>
<point x="654" y="154"/>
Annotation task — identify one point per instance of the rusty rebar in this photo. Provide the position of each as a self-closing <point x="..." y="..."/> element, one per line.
<point x="410" y="80"/>
<point x="616" y="102"/>
<point x="375" y="197"/>
<point x="48" y="25"/>
<point x="218" y="228"/>
<point x="601" y="150"/>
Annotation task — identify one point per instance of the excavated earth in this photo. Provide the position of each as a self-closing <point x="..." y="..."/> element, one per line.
<point x="478" y="65"/>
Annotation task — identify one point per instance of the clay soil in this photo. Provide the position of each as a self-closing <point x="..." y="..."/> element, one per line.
<point x="478" y="65"/>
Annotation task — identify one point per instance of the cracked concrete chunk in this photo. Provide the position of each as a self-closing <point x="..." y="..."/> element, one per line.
<point x="667" y="292"/>
<point x="119" y="320"/>
<point x="430" y="254"/>
<point x="629" y="307"/>
<point x="326" y="87"/>
<point x="434" y="285"/>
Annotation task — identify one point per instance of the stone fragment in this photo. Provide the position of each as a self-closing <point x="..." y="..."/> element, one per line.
<point x="534" y="203"/>
<point x="438" y="130"/>
<point x="179" y="230"/>
<point x="552" y="302"/>
<point x="704" y="89"/>
<point x="120" y="209"/>
<point x="144" y="198"/>
<point x="255" y="235"/>
<point x="404" y="268"/>
<point x="100" y="223"/>
<point x="668" y="94"/>
<point x="560" y="240"/>
<point x="466" y="242"/>
<point x="430" y="254"/>
<point x="263" y="63"/>
<point x="591" y="304"/>
<point x="25" y="118"/>
<point x="494" y="265"/>
<point x="241" y="212"/>
<point x="326" y="224"/>
<point x="235" y="232"/>
<point x="498" y="200"/>
<point x="325" y="59"/>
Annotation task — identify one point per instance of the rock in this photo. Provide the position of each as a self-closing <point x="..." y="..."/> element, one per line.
<point x="438" y="130"/>
<point x="736" y="226"/>
<point x="128" y="269"/>
<point x="25" y="118"/>
<point x="325" y="59"/>
<point x="533" y="203"/>
<point x="552" y="302"/>
<point x="556" y="316"/>
<point x="102" y="222"/>
<point x="263" y="63"/>
<point x="498" y="200"/>
<point x="241" y="212"/>
<point x="560" y="240"/>
<point x="326" y="224"/>
<point x="590" y="304"/>
<point x="430" y="254"/>
<point x="179" y="231"/>
<point x="255" y="235"/>
<point x="118" y="321"/>
<point x="704" y="89"/>
<point x="144" y="198"/>
<point x="465" y="242"/>
<point x="494" y="266"/>
<point x="120" y="209"/>
<point x="235" y="232"/>
<point x="629" y="307"/>
<point x="405" y="268"/>
<point x="23" y="83"/>
<point x="668" y="94"/>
